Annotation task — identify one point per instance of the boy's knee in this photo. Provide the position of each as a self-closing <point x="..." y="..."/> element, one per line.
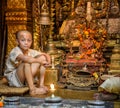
<point x="27" y="64"/>
<point x="42" y="57"/>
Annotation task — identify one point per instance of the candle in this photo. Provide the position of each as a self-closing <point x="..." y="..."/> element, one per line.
<point x="88" y="7"/>
<point x="89" y="16"/>
<point x="53" y="66"/>
<point x="52" y="89"/>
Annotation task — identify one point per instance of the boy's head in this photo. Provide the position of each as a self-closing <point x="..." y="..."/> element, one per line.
<point x="21" y="32"/>
<point x="24" y="39"/>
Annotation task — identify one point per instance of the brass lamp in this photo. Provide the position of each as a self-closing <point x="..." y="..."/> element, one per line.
<point x="44" y="17"/>
<point x="44" y="22"/>
<point x="49" y="47"/>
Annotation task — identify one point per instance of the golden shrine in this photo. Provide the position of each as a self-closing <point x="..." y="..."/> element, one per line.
<point x="80" y="31"/>
<point x="83" y="40"/>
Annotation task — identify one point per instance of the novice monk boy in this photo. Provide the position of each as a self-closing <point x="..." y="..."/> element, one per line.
<point x="24" y="63"/>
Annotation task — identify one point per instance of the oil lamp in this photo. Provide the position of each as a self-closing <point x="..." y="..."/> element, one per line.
<point x="52" y="89"/>
<point x="53" y="101"/>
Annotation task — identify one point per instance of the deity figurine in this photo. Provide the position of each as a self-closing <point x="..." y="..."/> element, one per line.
<point x="87" y="49"/>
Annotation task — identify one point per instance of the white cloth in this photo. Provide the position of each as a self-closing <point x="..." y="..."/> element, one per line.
<point x="12" y="63"/>
<point x="111" y="85"/>
<point x="13" y="79"/>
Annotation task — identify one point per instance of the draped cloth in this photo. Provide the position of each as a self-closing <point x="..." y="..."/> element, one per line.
<point x="111" y="85"/>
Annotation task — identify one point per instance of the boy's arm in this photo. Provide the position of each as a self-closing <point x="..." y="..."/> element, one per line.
<point x="27" y="59"/>
<point x="48" y="58"/>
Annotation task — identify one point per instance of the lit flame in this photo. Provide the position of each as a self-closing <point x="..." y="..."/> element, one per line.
<point x="52" y="87"/>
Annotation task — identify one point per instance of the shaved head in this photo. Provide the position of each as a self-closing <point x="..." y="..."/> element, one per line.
<point x="19" y="33"/>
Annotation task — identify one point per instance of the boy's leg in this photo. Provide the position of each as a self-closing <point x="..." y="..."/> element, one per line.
<point x="41" y="79"/>
<point x="24" y="73"/>
<point x="42" y="75"/>
<point x="41" y="70"/>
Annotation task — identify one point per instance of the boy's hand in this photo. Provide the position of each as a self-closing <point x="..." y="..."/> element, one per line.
<point x="45" y="63"/>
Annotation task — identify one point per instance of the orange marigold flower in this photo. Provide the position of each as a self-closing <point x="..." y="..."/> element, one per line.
<point x="86" y="32"/>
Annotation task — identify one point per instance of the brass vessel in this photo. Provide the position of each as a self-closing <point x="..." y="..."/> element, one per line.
<point x="44" y="17"/>
<point x="115" y="60"/>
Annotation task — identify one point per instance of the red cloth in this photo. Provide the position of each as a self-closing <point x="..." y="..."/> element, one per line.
<point x="94" y="61"/>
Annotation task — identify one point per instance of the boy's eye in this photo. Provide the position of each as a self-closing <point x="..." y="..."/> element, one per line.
<point x="29" y="40"/>
<point x="26" y="40"/>
<point x="22" y="39"/>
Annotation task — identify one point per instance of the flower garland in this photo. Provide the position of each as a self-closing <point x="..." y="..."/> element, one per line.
<point x="91" y="38"/>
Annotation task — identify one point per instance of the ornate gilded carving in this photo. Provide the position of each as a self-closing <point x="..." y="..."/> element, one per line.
<point x="17" y="12"/>
<point x="11" y="35"/>
<point x="36" y="25"/>
<point x="12" y="4"/>
<point x="52" y="14"/>
<point x="100" y="7"/>
<point x="18" y="16"/>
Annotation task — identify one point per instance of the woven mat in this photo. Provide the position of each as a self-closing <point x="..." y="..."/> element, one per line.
<point x="7" y="90"/>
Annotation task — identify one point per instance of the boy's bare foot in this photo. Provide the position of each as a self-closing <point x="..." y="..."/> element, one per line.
<point x="37" y="91"/>
<point x="45" y="88"/>
<point x="42" y="86"/>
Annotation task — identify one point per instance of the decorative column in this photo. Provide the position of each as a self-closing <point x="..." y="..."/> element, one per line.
<point x="115" y="57"/>
<point x="18" y="17"/>
<point x="52" y="15"/>
<point x="36" y="24"/>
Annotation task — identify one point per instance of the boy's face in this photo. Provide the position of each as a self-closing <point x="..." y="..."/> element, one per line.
<point x="24" y="40"/>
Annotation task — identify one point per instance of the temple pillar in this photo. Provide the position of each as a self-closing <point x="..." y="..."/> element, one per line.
<point x="18" y="17"/>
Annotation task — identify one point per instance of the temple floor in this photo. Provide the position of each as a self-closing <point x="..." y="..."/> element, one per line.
<point x="65" y="93"/>
<point x="71" y="94"/>
<point x="76" y="98"/>
<point x="70" y="98"/>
